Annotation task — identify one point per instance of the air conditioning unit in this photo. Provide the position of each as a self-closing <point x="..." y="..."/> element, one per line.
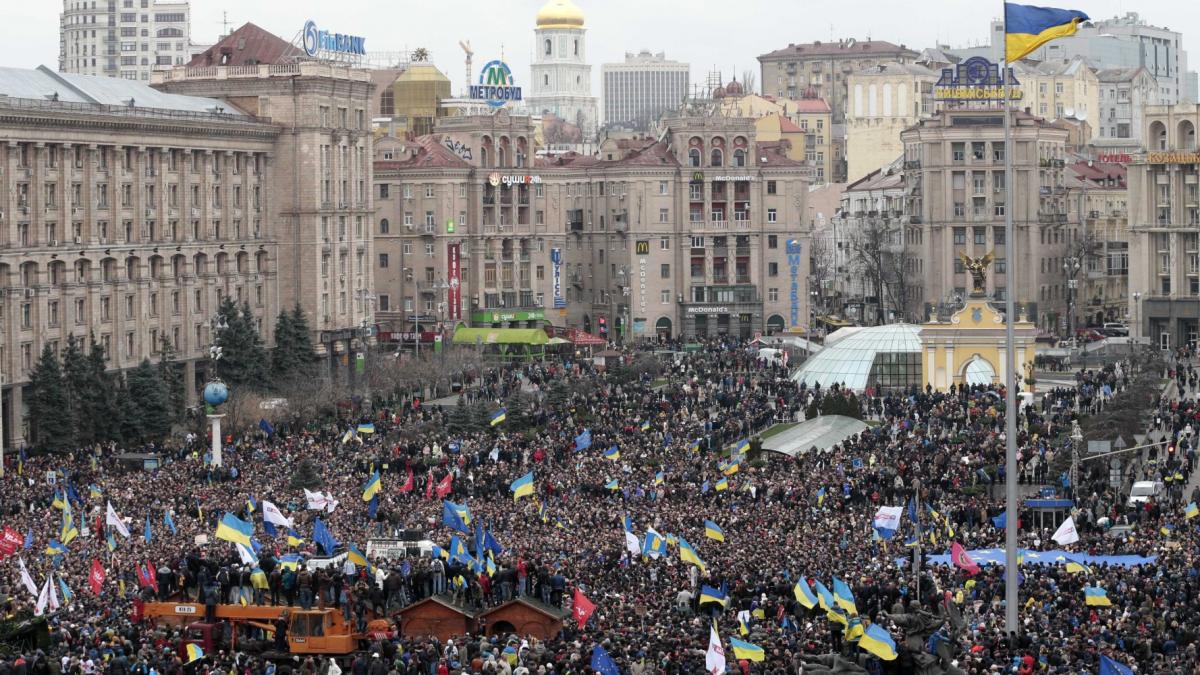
<point x="30" y="292"/>
<point x="78" y="240"/>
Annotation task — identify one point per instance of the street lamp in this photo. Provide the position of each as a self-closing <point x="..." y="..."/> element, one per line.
<point x="1076" y="444"/>
<point x="1071" y="267"/>
<point x="1137" y="324"/>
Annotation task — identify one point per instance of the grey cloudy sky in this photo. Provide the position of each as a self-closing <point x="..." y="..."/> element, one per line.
<point x="723" y="35"/>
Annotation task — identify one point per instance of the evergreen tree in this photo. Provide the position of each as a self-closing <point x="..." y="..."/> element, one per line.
<point x="172" y="378"/>
<point x="243" y="359"/>
<point x="100" y="403"/>
<point x="306" y="476"/>
<point x="149" y="398"/>
<point x="480" y="417"/>
<point x="49" y="409"/>
<point x="460" y="418"/>
<point x="78" y="386"/>
<point x="127" y="424"/>
<point x="516" y="416"/>
<point x="302" y="341"/>
<point x="283" y="357"/>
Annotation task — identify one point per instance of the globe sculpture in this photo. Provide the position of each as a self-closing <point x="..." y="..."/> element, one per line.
<point x="216" y="393"/>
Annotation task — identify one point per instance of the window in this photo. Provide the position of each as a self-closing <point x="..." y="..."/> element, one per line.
<point x="664" y="297"/>
<point x="958" y="151"/>
<point x="960" y="236"/>
<point x="429" y="250"/>
<point x="1001" y="266"/>
<point x="771" y="187"/>
<point x="980" y="235"/>
<point x="772" y="216"/>
<point x="385" y="303"/>
<point x="664" y="243"/>
<point x="383" y="260"/>
<point x="383" y="190"/>
<point x="772" y="269"/>
<point x="697" y="242"/>
<point x="664" y="215"/>
<point x="663" y="187"/>
<point x="772" y="241"/>
<point x="383" y="226"/>
<point x="772" y="295"/>
<point x="665" y="271"/>
<point x="998" y="236"/>
<point x="429" y="191"/>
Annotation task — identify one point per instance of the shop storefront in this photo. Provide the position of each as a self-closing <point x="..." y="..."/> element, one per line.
<point x="704" y="320"/>
<point x="509" y="318"/>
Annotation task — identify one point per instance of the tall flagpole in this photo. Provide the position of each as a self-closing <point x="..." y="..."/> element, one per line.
<point x="1010" y="368"/>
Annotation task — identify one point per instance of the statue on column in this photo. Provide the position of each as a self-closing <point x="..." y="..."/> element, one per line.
<point x="977" y="268"/>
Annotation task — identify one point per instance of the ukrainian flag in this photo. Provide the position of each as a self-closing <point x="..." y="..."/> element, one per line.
<point x="722" y="484"/>
<point x="294" y="538"/>
<point x="69" y="531"/>
<point x="366" y="428"/>
<point x="349" y="436"/>
<point x="688" y="554"/>
<point x="746" y="650"/>
<point x="356" y="556"/>
<point x="1096" y="597"/>
<point x="613" y="453"/>
<point x="824" y="597"/>
<point x="877" y="641"/>
<point x="695" y="446"/>
<point x="258" y="578"/>
<point x="613" y="485"/>
<point x="290" y="561"/>
<point x="843" y="596"/>
<point x="820" y="496"/>
<point x="658" y="478"/>
<point x="59" y="501"/>
<point x="855" y="630"/>
<point x="55" y="548"/>
<point x="112" y="543"/>
<point x="732" y="467"/>
<point x="232" y="529"/>
<point x="741" y="446"/>
<point x="499" y="416"/>
<point x="1027" y="27"/>
<point x="371" y="487"/>
<point x="522" y="486"/>
<point x="1191" y="511"/>
<point x="804" y="594"/>
<point x="1078" y="568"/>
<point x="645" y="425"/>
<point x="838" y="615"/>
<point x="709" y="594"/>
<point x="95" y="491"/>
<point x="713" y="531"/>
<point x="194" y="653"/>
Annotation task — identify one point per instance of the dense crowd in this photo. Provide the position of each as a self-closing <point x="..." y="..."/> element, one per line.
<point x="782" y="517"/>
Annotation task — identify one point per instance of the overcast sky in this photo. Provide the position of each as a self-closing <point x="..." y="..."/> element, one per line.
<point x="721" y="35"/>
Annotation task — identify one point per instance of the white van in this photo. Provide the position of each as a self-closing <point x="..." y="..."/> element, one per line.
<point x="1143" y="490"/>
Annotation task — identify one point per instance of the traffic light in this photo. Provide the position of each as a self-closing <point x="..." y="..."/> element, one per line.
<point x="603" y="327"/>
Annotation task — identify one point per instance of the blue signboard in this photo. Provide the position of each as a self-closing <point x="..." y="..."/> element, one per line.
<point x="556" y="271"/>
<point x="317" y="41"/>
<point x="496" y="85"/>
<point x="793" y="260"/>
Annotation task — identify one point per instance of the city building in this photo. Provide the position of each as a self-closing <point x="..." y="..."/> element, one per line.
<point x="561" y="77"/>
<point x="1124" y="95"/>
<point x="1097" y="258"/>
<point x="1164" y="220"/>
<point x="862" y="277"/>
<point x="699" y="233"/>
<point x="955" y="181"/>
<point x="640" y="89"/>
<point x="416" y="98"/>
<point x="124" y="38"/>
<point x="885" y="99"/>
<point x="321" y="177"/>
<point x="249" y="45"/>
<point x="126" y="214"/>
<point x="825" y="68"/>
<point x="1059" y="89"/>
<point x="805" y="124"/>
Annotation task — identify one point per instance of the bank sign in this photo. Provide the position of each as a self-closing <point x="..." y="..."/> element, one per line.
<point x="495" y="85"/>
<point x="975" y="79"/>
<point x="793" y="261"/>
<point x="323" y="42"/>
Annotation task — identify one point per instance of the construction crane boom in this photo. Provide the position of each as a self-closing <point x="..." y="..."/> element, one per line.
<point x="466" y="47"/>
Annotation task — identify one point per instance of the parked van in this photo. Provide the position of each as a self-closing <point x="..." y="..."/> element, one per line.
<point x="1143" y="491"/>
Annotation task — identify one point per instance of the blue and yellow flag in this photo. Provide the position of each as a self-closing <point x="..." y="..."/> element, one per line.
<point x="169" y="521"/>
<point x="709" y="594"/>
<point x="746" y="650"/>
<point x="55" y="548"/>
<point x="713" y="531"/>
<point x="194" y="653"/>
<point x="499" y="416"/>
<point x="820" y="496"/>
<point x="294" y="538"/>
<point x="722" y="485"/>
<point x="371" y="487"/>
<point x="824" y="597"/>
<point x="1027" y="27"/>
<point x="843" y="596"/>
<point x="67" y="595"/>
<point x="112" y="543"/>
<point x="1191" y="511"/>
<point x="95" y="491"/>
<point x="659" y="478"/>
<point x="613" y="453"/>
<point x="804" y="594"/>
<point x="613" y="485"/>
<point x="522" y="486"/>
<point x="1096" y="597"/>
<point x="233" y="529"/>
<point x="69" y="531"/>
<point x="366" y="428"/>
<point x="645" y="425"/>
<point x="879" y="642"/>
<point x="688" y="554"/>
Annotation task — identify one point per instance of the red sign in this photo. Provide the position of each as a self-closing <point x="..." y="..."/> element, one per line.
<point x="10" y="541"/>
<point x="454" y="292"/>
<point x="1113" y="158"/>
<point x="96" y="577"/>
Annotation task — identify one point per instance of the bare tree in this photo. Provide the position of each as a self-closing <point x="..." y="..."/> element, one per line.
<point x="877" y="255"/>
<point x="749" y="81"/>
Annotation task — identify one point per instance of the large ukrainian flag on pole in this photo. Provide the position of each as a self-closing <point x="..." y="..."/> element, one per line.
<point x="1027" y="27"/>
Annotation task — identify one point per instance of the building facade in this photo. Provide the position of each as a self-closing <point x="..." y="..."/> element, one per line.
<point x="561" y="77"/>
<point x="1124" y="95"/>
<point x="806" y="125"/>
<point x="323" y="212"/>
<point x="704" y="240"/>
<point x="1060" y="89"/>
<point x="825" y="68"/>
<point x="127" y="223"/>
<point x="884" y="100"/>
<point x="124" y="38"/>
<point x="956" y="187"/>
<point x="1098" y="257"/>
<point x="1164" y="219"/>
<point x="640" y="89"/>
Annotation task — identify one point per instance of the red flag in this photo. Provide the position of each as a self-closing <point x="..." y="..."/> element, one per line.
<point x="961" y="560"/>
<point x="443" y="487"/>
<point x="96" y="578"/>
<point x="429" y="485"/>
<point x="10" y="541"/>
<point x="153" y="575"/>
<point x="408" y="484"/>
<point x="583" y="608"/>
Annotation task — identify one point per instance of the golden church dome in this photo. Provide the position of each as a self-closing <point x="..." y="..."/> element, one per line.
<point x="560" y="14"/>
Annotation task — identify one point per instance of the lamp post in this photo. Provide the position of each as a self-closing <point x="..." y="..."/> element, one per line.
<point x="216" y="392"/>
<point x="1071" y="267"/>
<point x="1137" y="324"/>
<point x="1076" y="443"/>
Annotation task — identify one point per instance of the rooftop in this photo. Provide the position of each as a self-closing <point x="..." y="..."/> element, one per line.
<point x="852" y="360"/>
<point x="851" y="48"/>
<point x="46" y="86"/>
<point x="249" y="45"/>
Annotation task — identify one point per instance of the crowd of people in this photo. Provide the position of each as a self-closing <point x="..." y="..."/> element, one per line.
<point x="782" y="518"/>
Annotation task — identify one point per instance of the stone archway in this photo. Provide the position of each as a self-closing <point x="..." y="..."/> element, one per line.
<point x="978" y="371"/>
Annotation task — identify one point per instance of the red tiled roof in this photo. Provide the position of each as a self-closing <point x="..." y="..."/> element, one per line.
<point x="247" y="46"/>
<point x="811" y="105"/>
<point x="1098" y="173"/>
<point x="844" y="48"/>
<point x="787" y="126"/>
<point x="776" y="154"/>
<point x="430" y="154"/>
<point x="653" y="154"/>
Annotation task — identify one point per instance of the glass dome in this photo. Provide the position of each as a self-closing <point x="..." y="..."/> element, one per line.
<point x="980" y="372"/>
<point x="884" y="356"/>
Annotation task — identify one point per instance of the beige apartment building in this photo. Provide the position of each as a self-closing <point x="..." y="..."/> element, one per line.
<point x="1057" y="89"/>
<point x="885" y="99"/>
<point x="1097" y="203"/>
<point x="127" y="214"/>
<point x="806" y="124"/>
<point x="1164" y="219"/>
<point x="688" y="235"/>
<point x="322" y="209"/>
<point x="955" y="178"/>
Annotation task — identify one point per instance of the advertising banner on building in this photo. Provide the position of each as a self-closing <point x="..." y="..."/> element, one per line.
<point x="556" y="273"/>
<point x="793" y="260"/>
<point x="454" y="289"/>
